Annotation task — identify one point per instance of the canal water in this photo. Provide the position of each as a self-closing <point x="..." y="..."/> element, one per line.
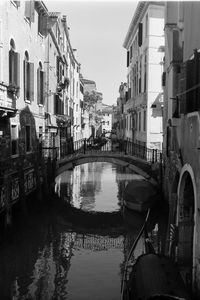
<point x="66" y="253"/>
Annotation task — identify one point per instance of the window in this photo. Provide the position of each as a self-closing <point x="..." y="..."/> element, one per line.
<point x="14" y="139"/>
<point x="144" y="121"/>
<point x="28" y="79"/>
<point x="59" y="69"/>
<point x="139" y="121"/>
<point x="30" y="10"/>
<point x="131" y="52"/>
<point x="42" y="24"/>
<point x="28" y="138"/>
<point x="127" y="58"/>
<point x="140" y="34"/>
<point x="107" y="122"/>
<point x="146" y="25"/>
<point x="140" y="75"/>
<point x="77" y="89"/>
<point x="76" y="107"/>
<point x="40" y="84"/>
<point x="14" y="66"/>
<point x="40" y="132"/>
<point x="145" y="72"/>
<point x="17" y="3"/>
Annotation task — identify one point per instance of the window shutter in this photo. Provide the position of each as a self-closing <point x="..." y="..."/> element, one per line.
<point x="55" y="104"/>
<point x="11" y="53"/>
<point x="127" y="58"/>
<point x="38" y="86"/>
<point x="17" y="3"/>
<point x="44" y="20"/>
<point x="163" y="79"/>
<point x="30" y="10"/>
<point x="31" y="83"/>
<point x="25" y="80"/>
<point x="43" y="87"/>
<point x="57" y="69"/>
<point x="17" y="69"/>
<point x="140" y="35"/>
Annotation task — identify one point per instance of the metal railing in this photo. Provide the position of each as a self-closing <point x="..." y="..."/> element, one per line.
<point x="125" y="147"/>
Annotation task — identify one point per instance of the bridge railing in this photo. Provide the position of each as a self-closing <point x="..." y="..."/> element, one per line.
<point x="126" y="147"/>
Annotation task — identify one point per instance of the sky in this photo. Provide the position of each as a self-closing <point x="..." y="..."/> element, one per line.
<point x="97" y="31"/>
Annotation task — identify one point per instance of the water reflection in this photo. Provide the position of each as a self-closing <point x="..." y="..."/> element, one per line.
<point x="50" y="259"/>
<point x="92" y="186"/>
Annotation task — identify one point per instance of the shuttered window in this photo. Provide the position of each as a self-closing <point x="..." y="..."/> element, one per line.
<point x="30" y="10"/>
<point x="42" y="24"/>
<point x="14" y="68"/>
<point x="14" y="139"/>
<point x="17" y="3"/>
<point x="127" y="58"/>
<point x="140" y="34"/>
<point x="40" y="86"/>
<point x="28" y="81"/>
<point x="144" y="121"/>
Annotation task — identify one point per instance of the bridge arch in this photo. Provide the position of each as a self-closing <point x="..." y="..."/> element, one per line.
<point x="137" y="165"/>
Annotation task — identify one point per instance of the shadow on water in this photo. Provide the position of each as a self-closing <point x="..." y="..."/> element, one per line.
<point x="53" y="253"/>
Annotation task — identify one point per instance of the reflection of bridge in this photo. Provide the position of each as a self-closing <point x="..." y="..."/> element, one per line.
<point x="102" y="223"/>
<point x="94" y="242"/>
<point x="140" y="159"/>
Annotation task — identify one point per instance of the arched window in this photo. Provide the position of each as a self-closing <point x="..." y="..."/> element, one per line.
<point x="28" y="79"/>
<point x="14" y="65"/>
<point x="40" y="84"/>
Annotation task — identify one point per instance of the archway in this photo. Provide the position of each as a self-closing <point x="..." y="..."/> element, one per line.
<point x="172" y="216"/>
<point x="185" y="224"/>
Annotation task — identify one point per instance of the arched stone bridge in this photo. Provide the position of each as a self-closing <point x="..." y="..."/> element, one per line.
<point x="149" y="171"/>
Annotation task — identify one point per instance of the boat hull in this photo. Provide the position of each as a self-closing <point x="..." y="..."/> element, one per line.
<point x="155" y="277"/>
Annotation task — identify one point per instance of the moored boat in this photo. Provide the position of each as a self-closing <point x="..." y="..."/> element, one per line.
<point x="140" y="195"/>
<point x="155" y="277"/>
<point x="150" y="275"/>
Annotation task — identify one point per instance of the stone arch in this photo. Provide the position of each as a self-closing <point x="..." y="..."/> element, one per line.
<point x="112" y="159"/>
<point x="185" y="221"/>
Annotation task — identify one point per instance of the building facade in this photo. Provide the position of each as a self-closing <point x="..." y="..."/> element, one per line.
<point x="40" y="98"/>
<point x="107" y="114"/>
<point x="181" y="135"/>
<point x="143" y="40"/>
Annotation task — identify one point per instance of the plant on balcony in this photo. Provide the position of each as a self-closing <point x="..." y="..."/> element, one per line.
<point x="12" y="89"/>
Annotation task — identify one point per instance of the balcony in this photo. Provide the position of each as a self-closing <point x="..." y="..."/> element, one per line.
<point x="7" y="100"/>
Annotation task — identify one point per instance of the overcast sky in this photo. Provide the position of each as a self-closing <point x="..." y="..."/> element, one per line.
<point x="97" y="31"/>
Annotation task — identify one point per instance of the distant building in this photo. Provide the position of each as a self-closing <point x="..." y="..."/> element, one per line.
<point x="143" y="41"/>
<point x="107" y="112"/>
<point x="94" y="105"/>
<point x="120" y="107"/>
